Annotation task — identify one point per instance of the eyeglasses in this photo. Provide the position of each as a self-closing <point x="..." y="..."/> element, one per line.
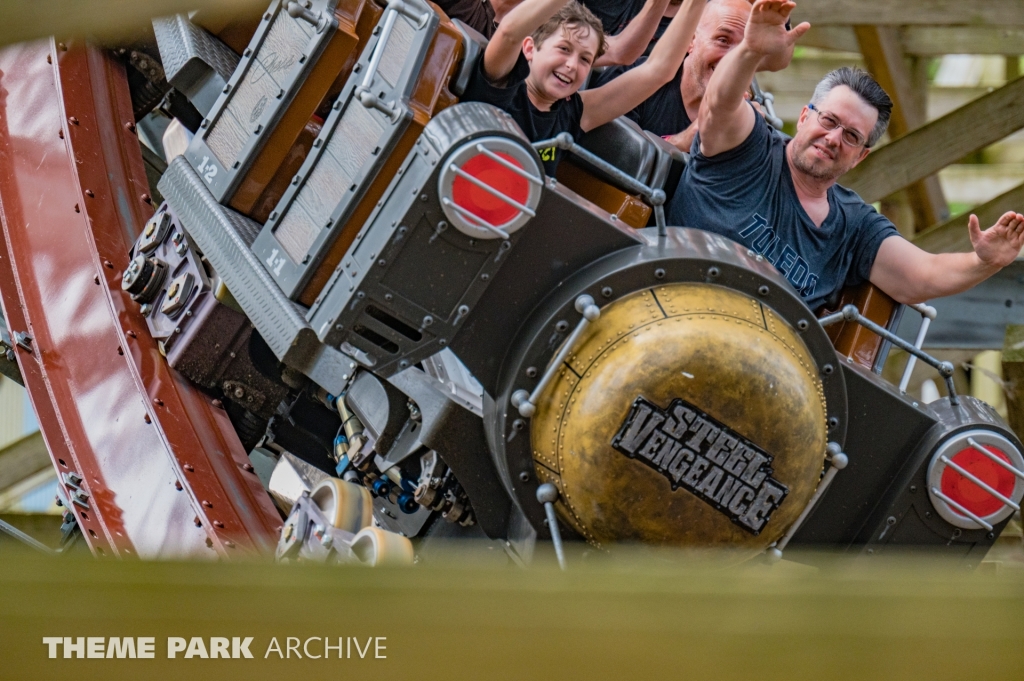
<point x="829" y="122"/>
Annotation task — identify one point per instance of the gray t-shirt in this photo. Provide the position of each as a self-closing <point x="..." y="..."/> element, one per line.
<point x="747" y="194"/>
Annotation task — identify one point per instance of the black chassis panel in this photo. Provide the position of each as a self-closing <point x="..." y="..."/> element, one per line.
<point x="409" y="282"/>
<point x="880" y="503"/>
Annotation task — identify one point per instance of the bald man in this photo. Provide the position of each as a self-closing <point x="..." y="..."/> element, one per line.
<point x="671" y="112"/>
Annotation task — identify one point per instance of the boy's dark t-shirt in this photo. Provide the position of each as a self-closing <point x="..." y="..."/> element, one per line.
<point x="614" y="14"/>
<point x="747" y="194"/>
<point x="565" y="115"/>
<point x="663" y="112"/>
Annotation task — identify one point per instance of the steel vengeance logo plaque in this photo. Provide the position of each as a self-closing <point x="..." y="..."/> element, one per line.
<point x="703" y="456"/>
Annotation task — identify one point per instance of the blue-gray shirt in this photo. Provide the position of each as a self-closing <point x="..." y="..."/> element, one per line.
<point x="747" y="194"/>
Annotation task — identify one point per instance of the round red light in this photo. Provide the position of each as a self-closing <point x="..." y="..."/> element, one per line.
<point x="967" y="493"/>
<point x="484" y="204"/>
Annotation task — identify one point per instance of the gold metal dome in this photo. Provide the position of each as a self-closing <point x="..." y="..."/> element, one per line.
<point x="688" y="415"/>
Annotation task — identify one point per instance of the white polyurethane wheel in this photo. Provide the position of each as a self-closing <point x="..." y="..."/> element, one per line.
<point x="374" y="546"/>
<point x="347" y="506"/>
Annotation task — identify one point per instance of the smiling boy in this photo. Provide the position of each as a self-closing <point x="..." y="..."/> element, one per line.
<point x="536" y="63"/>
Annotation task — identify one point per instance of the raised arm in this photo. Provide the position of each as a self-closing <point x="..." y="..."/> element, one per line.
<point x="725" y="119"/>
<point x="629" y="45"/>
<point x="624" y="93"/>
<point x="911" y="275"/>
<point x="507" y="42"/>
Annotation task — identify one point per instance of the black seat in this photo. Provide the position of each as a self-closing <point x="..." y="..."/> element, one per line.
<point x="642" y="155"/>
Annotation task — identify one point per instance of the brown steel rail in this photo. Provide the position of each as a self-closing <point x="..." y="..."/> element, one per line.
<point x="162" y="472"/>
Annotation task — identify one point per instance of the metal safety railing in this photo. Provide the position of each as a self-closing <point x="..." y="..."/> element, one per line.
<point x="850" y="313"/>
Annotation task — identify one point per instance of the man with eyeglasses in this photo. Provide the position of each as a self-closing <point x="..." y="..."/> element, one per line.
<point x="780" y="199"/>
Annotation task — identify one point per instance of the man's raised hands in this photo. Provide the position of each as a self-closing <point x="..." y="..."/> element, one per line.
<point x="1001" y="243"/>
<point x="766" y="29"/>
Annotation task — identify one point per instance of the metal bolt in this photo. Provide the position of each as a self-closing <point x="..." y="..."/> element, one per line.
<point x="518" y="424"/>
<point x="524" y="476"/>
<point x="890" y="521"/>
<point x="531" y="372"/>
<point x="562" y="326"/>
<point x="713" y="272"/>
<point x="762" y="290"/>
<point x="827" y="369"/>
<point x="802" y="325"/>
<point x="833" y="422"/>
<point x="659" y="273"/>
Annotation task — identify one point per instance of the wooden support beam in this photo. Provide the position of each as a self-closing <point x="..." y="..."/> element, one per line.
<point x="928" y="41"/>
<point x="935" y="41"/>
<point x="910" y="12"/>
<point x="951" y="236"/>
<point x="935" y="145"/>
<point x="1013" y="374"/>
<point x="883" y="56"/>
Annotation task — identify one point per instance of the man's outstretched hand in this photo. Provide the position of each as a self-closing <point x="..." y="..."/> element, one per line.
<point x="766" y="29"/>
<point x="1001" y="243"/>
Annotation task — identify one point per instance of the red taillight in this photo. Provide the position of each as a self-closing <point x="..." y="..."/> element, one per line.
<point x="976" y="479"/>
<point x="485" y="204"/>
<point x="968" y="493"/>
<point x="490" y="186"/>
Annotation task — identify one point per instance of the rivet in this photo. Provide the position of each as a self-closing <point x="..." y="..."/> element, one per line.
<point x="197" y="521"/>
<point x="129" y="126"/>
<point x="207" y="504"/>
<point x="60" y="134"/>
<point x="146" y="198"/>
<point x="145" y="417"/>
<point x="217" y="404"/>
<point x="247" y="467"/>
<point x="217" y="523"/>
<point x="73" y="121"/>
<point x="177" y="485"/>
<point x="188" y="468"/>
<point x="109" y="265"/>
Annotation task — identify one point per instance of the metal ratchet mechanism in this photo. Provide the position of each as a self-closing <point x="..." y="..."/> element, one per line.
<point x="767" y="102"/>
<point x="364" y="90"/>
<point x="850" y="313"/>
<point x="656" y="197"/>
